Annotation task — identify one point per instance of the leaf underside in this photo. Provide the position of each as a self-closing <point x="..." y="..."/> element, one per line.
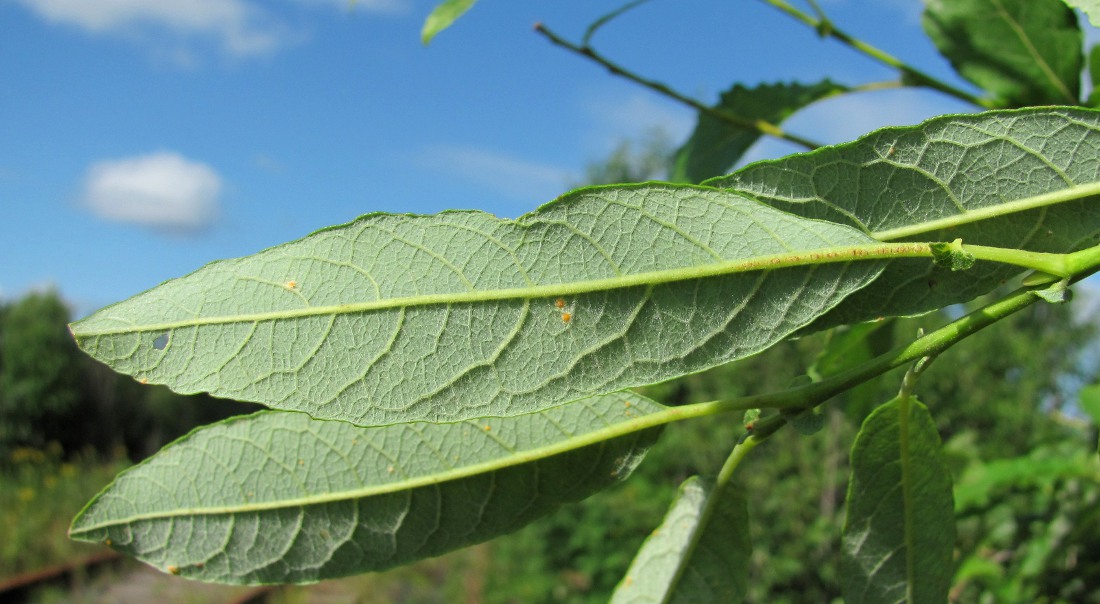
<point x="690" y="558"/>
<point x="899" y="530"/>
<point x="277" y="497"/>
<point x="396" y="318"/>
<point x="978" y="177"/>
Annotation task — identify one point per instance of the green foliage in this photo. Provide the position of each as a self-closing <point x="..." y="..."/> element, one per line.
<point x="1024" y="52"/>
<point x="443" y="16"/>
<point x="39" y="492"/>
<point x="39" y="371"/>
<point x="475" y="364"/>
<point x="899" y="531"/>
<point x="716" y="144"/>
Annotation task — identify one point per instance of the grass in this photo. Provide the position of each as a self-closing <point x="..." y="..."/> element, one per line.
<point x="39" y="495"/>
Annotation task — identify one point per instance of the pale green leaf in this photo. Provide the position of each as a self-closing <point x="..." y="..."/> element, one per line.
<point x="395" y="318"/>
<point x="1091" y="9"/>
<point x="1025" y="52"/>
<point x="1089" y="400"/>
<point x="899" y="529"/>
<point x="277" y="497"/>
<point x="695" y="555"/>
<point x="983" y="484"/>
<point x="716" y="145"/>
<point x="1025" y="179"/>
<point x="443" y="16"/>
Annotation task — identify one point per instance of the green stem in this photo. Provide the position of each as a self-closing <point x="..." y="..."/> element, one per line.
<point x="928" y="345"/>
<point x="758" y="125"/>
<point x="598" y="23"/>
<point x="825" y="28"/>
<point x="1055" y="264"/>
<point x="740" y="450"/>
<point x="1084" y="262"/>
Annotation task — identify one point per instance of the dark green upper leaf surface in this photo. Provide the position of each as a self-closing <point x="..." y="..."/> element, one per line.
<point x="1023" y="179"/>
<point x="1025" y="52"/>
<point x="899" y="529"/>
<point x="1094" y="75"/>
<point x="716" y="145"/>
<point x="276" y="497"/>
<point x="396" y="318"/>
<point x="695" y="555"/>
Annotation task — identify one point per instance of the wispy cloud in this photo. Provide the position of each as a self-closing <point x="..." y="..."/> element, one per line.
<point x="163" y="190"/>
<point x="239" y="27"/>
<point x="616" y="118"/>
<point x="513" y="177"/>
<point x="176" y="28"/>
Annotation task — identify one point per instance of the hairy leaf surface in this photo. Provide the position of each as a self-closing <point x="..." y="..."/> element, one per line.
<point x="277" y="497"/>
<point x="1026" y="52"/>
<point x="692" y="557"/>
<point x="899" y="530"/>
<point x="1025" y="179"/>
<point x="716" y="145"/>
<point x="395" y="318"/>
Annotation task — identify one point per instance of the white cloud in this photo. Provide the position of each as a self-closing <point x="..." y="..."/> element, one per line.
<point x="161" y="190"/>
<point x="241" y="27"/>
<point x="516" y="178"/>
<point x="374" y="6"/>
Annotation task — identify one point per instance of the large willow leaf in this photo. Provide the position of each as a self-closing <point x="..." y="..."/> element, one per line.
<point x="396" y="318"/>
<point x="1024" y="179"/>
<point x="899" y="530"/>
<point x="278" y="497"/>
<point x="695" y="555"/>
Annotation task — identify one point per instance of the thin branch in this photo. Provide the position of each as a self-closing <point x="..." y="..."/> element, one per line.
<point x="758" y="125"/>
<point x="909" y="74"/>
<point x="586" y="41"/>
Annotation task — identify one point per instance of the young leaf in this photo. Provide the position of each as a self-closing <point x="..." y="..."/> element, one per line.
<point x="692" y="557"/>
<point x="443" y="15"/>
<point x="716" y="145"/>
<point x="279" y="498"/>
<point x="952" y="177"/>
<point x="1025" y="52"/>
<point x="396" y="318"/>
<point x="899" y="530"/>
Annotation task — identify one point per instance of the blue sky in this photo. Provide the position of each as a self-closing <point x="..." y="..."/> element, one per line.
<point x="141" y="139"/>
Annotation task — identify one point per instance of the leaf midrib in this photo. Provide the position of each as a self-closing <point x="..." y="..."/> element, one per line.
<point x="829" y="255"/>
<point x="1073" y="193"/>
<point x="618" y="429"/>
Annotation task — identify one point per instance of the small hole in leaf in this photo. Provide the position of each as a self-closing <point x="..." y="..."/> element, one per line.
<point x="161" y="342"/>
